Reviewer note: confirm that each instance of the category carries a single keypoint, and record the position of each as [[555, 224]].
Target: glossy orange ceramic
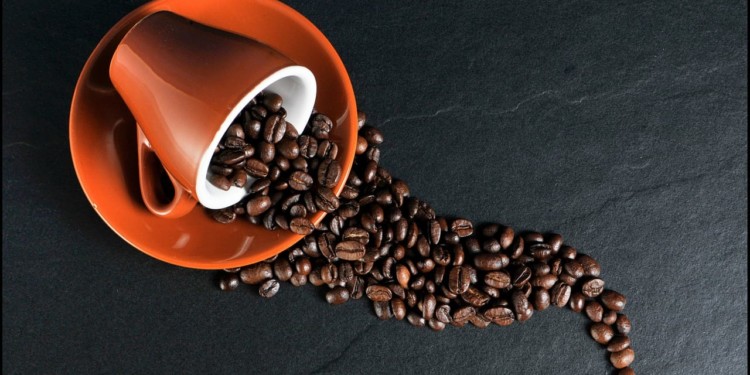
[[185, 83], [103, 135]]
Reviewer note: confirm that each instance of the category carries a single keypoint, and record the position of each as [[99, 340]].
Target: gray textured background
[[621, 125]]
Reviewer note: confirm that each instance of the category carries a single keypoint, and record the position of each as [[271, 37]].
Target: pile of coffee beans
[[379, 242], [293, 174]]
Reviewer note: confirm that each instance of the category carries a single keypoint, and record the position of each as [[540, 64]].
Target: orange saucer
[[103, 135]]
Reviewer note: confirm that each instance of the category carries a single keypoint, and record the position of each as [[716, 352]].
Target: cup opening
[[296, 85]]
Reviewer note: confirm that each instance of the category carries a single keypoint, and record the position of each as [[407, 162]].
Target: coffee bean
[[540, 299], [301, 225], [590, 266], [594, 311], [220, 181], [573, 268], [274, 128], [378, 293], [256, 168], [224, 216], [300, 181], [329, 173], [282, 269], [229, 282], [459, 279], [235, 142], [520, 305], [623, 324], [462, 227], [256, 273], [532, 237], [577, 301], [555, 241], [428, 306], [491, 262], [601, 333], [252, 128], [398, 307], [415, 320], [372, 135], [462, 314], [479, 321], [308, 146], [326, 245], [475, 297], [443, 314], [540, 251], [501, 316], [567, 252], [618, 343], [491, 246], [505, 237], [613, 300], [498, 279], [269, 288], [520, 276], [516, 248], [436, 325], [326, 200], [361, 146], [544, 281], [560, 294], [327, 150], [337, 295], [272, 102], [609, 317], [303, 266], [350, 250], [258, 205], [593, 288], [622, 358], [321, 126]]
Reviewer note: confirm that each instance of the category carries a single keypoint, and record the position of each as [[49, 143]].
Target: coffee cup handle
[[155, 194]]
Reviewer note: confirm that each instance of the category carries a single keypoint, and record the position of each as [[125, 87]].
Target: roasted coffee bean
[[252, 128], [327, 150], [540, 299], [540, 251], [256, 273], [297, 210], [601, 333], [256, 168], [573, 268], [326, 245], [532, 237], [274, 128], [303, 266], [301, 225], [459, 279], [520, 304], [462, 227], [288, 148], [544, 281], [329, 273], [356, 234], [491, 246], [590, 266], [443, 314], [479, 321], [372, 135], [220, 181], [593, 288], [329, 173], [555, 241], [258, 205], [520, 276], [220, 170], [462, 314], [458, 255], [417, 282], [491, 262], [230, 156], [326, 200], [613, 300], [300, 181], [567, 252], [505, 237], [560, 294], [436, 325], [258, 112], [415, 320], [623, 324], [398, 308], [428, 306], [337, 295], [567, 279], [577, 301], [239, 178], [378, 293], [609, 317], [618, 343], [272, 102], [497, 279], [356, 287], [282, 269], [269, 288], [321, 126], [260, 185], [594, 311], [622, 359], [361, 146], [266, 152], [501, 316], [475, 297], [224, 216], [350, 250], [308, 146], [229, 282]]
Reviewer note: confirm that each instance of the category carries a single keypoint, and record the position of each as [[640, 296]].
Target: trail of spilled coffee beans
[[380, 242]]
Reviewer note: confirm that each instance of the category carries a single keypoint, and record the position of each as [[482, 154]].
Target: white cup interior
[[296, 85]]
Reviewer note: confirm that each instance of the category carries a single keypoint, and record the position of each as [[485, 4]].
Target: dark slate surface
[[621, 125]]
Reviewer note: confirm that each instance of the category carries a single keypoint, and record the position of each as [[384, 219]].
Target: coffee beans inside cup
[[381, 243]]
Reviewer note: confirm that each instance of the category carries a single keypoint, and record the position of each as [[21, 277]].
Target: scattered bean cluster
[[380, 242]]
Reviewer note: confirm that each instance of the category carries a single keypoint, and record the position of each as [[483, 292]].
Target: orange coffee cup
[[185, 83]]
